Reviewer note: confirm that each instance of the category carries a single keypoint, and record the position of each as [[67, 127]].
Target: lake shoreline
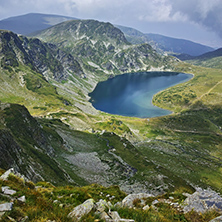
[[131, 94]]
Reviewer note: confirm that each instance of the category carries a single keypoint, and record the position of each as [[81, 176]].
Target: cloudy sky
[[196, 20]]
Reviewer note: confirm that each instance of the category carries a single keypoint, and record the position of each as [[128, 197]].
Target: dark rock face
[[10, 151], [26, 146], [44, 58]]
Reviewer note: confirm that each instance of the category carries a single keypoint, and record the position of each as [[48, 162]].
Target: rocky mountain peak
[[102, 48]]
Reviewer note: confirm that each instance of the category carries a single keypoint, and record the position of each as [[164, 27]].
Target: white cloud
[[161, 11]]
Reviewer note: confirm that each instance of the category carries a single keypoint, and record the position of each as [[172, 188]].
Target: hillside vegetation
[[45, 202], [69, 142], [102, 48], [211, 59]]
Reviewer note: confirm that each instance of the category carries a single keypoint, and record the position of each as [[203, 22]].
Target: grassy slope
[[185, 145], [23, 86], [190, 140], [204, 88], [45, 202], [188, 143]]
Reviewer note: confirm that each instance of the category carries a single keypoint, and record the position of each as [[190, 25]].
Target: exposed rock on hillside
[[82, 209], [44, 58], [129, 200], [202, 201], [102, 48], [95, 203], [27, 147]]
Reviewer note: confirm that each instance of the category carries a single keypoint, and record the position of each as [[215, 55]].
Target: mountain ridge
[[43, 58], [211, 59], [164, 43], [31, 22], [105, 50]]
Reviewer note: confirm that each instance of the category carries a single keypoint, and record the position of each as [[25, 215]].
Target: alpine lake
[[131, 94]]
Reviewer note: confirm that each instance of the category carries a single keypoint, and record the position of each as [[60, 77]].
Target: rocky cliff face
[[27, 146], [44, 58], [100, 47]]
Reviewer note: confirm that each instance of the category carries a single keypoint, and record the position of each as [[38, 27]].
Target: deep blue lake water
[[131, 94]]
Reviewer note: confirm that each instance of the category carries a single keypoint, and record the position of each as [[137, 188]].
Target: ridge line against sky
[[195, 20]]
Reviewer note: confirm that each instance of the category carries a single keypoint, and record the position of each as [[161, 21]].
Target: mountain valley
[[49, 131]]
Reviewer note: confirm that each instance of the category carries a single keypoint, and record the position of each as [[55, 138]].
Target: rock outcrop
[[44, 58], [202, 201], [142, 203], [8, 193], [81, 210], [100, 208], [104, 50], [129, 200]]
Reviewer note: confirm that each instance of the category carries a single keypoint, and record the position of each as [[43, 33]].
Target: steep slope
[[102, 48], [164, 43], [32, 22], [43, 58], [28, 69], [48, 149], [27, 146]]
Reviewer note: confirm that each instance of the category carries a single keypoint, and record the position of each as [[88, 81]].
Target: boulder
[[155, 202], [3, 188], [101, 205], [147, 207], [5, 175], [129, 200], [125, 220], [12, 171], [104, 216], [22, 199], [114, 215], [203, 200], [6, 207], [8, 191], [81, 210]]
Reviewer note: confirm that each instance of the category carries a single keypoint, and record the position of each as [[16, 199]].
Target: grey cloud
[[207, 13], [146, 15]]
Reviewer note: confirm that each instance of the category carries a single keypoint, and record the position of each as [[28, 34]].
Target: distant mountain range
[[164, 43], [210, 55], [32, 22], [211, 59], [29, 23], [101, 47]]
